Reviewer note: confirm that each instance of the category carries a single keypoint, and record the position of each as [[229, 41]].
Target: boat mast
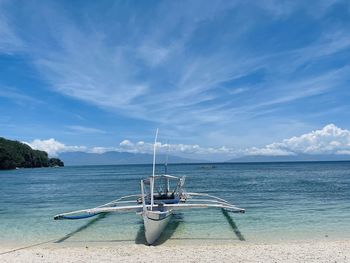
[[154, 169], [166, 159], [154, 153], [166, 183]]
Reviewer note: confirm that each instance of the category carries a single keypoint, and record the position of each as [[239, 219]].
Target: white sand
[[318, 251]]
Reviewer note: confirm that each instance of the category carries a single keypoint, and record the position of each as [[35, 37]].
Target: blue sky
[[230, 75]]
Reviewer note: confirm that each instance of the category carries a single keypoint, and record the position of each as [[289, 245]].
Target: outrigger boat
[[160, 196]]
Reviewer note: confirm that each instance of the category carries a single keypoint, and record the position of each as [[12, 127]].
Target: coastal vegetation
[[14, 154]]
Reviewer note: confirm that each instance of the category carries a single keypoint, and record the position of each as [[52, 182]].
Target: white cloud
[[268, 150], [141, 143], [329, 140], [53, 147], [100, 149], [144, 147], [126, 144]]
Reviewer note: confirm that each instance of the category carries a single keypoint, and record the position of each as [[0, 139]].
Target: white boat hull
[[155, 222]]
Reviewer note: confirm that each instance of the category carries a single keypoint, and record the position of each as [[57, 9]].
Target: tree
[[16, 154]]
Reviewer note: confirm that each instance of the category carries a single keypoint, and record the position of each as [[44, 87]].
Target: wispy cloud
[[17, 96], [193, 73], [82, 129], [9, 41]]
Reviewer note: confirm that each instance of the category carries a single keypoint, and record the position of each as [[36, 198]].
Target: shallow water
[[283, 201]]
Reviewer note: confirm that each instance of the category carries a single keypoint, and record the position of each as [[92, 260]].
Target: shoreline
[[12, 244], [311, 251]]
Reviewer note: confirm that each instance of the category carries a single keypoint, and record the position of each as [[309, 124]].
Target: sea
[[283, 202]]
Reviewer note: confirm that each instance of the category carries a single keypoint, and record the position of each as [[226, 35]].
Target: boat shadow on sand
[[82, 228], [175, 222], [140, 236], [233, 225]]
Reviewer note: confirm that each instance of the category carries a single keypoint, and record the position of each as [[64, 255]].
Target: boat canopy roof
[[166, 176]]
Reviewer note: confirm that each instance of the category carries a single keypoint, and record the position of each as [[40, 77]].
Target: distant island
[[14, 154], [291, 158]]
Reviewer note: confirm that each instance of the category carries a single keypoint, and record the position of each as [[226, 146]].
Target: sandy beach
[[318, 251]]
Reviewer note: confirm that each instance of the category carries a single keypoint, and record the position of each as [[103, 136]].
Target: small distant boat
[[208, 167], [160, 196]]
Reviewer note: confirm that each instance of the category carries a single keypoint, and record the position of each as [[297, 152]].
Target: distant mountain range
[[291, 158], [109, 158]]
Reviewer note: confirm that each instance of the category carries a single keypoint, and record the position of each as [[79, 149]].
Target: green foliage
[[16, 154], [55, 162]]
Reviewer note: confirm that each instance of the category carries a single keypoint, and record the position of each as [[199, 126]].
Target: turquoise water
[[283, 201]]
